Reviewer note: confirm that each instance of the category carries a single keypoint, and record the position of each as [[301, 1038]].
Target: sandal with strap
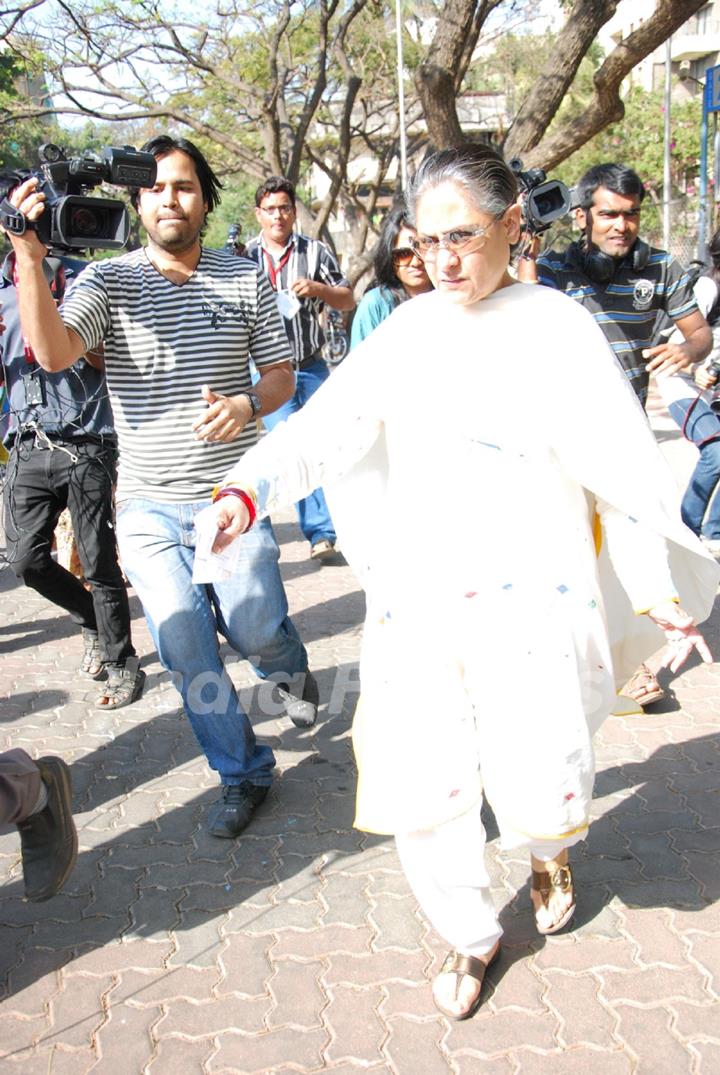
[[92, 665], [545, 883], [643, 687], [474, 967], [124, 686]]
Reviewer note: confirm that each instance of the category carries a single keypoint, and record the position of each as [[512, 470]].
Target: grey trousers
[[19, 786]]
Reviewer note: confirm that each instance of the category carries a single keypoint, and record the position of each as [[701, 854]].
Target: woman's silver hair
[[478, 169]]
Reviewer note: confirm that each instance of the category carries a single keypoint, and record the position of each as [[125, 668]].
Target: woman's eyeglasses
[[459, 241], [402, 256]]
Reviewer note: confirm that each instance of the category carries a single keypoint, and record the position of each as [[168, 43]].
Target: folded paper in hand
[[212, 566]]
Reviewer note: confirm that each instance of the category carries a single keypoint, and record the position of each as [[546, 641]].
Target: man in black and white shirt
[[178, 323], [305, 277]]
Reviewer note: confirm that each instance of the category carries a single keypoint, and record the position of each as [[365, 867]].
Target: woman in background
[[399, 275]]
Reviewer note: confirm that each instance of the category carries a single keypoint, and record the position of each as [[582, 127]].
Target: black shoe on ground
[[234, 809], [302, 709], [48, 839]]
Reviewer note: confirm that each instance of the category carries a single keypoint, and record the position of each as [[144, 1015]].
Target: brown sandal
[[558, 880], [473, 967]]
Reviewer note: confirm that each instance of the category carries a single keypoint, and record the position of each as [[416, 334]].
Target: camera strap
[[12, 219]]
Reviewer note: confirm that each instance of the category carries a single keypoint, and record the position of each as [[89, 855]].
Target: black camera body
[[544, 201], [72, 220]]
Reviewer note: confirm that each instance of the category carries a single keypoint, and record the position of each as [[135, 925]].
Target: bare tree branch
[[577, 35], [606, 105]]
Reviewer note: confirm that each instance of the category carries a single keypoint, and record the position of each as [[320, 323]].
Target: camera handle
[[12, 219]]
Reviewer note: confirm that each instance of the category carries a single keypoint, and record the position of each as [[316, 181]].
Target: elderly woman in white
[[501, 498]]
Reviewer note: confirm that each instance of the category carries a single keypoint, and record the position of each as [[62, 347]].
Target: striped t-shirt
[[626, 308], [162, 343]]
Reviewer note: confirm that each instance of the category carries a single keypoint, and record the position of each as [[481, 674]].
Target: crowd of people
[[195, 345]]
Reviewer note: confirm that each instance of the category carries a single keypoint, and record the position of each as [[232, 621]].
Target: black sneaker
[[232, 812], [301, 709], [48, 839]]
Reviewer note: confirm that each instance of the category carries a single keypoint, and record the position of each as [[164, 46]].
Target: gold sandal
[[544, 883]]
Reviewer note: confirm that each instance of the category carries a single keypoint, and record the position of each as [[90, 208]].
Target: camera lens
[[85, 221], [548, 202]]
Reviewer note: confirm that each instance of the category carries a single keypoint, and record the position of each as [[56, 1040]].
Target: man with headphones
[[622, 281]]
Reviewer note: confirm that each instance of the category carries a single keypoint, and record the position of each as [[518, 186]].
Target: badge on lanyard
[[287, 303]]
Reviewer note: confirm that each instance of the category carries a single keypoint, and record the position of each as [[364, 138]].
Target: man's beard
[[177, 245]]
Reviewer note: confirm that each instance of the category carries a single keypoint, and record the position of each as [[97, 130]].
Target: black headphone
[[601, 267]]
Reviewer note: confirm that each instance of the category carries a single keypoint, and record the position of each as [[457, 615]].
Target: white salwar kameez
[[464, 452]]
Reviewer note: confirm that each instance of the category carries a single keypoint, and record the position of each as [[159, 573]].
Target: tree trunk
[[436, 79]]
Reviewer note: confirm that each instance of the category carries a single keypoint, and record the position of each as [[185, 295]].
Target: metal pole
[[716, 175], [666, 146], [401, 96], [702, 208]]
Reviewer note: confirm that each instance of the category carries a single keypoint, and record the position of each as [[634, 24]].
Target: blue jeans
[[313, 513], [700, 511], [157, 545]]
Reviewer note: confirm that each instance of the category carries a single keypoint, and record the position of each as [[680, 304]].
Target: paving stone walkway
[[298, 948]]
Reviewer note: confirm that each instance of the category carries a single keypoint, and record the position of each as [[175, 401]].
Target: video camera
[[71, 220], [544, 200], [234, 243]]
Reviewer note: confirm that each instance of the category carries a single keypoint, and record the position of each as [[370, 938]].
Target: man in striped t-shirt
[[622, 281], [178, 324], [305, 277]]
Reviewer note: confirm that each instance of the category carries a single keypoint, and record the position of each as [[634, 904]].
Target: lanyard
[[57, 287], [274, 270]]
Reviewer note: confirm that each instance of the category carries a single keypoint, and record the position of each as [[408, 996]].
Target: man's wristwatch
[[255, 402]]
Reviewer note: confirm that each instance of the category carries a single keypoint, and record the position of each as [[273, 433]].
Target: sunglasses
[[402, 256]]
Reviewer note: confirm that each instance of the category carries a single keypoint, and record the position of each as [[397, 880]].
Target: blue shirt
[[374, 307], [76, 403]]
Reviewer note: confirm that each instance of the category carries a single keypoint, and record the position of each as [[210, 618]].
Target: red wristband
[[232, 490]]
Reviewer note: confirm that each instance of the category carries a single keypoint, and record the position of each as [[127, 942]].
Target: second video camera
[[71, 220], [545, 200]]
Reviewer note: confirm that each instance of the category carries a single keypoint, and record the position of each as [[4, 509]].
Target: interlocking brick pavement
[[298, 948]]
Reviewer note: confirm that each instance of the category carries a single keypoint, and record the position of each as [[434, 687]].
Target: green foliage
[[638, 140], [512, 67], [237, 207], [10, 70]]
